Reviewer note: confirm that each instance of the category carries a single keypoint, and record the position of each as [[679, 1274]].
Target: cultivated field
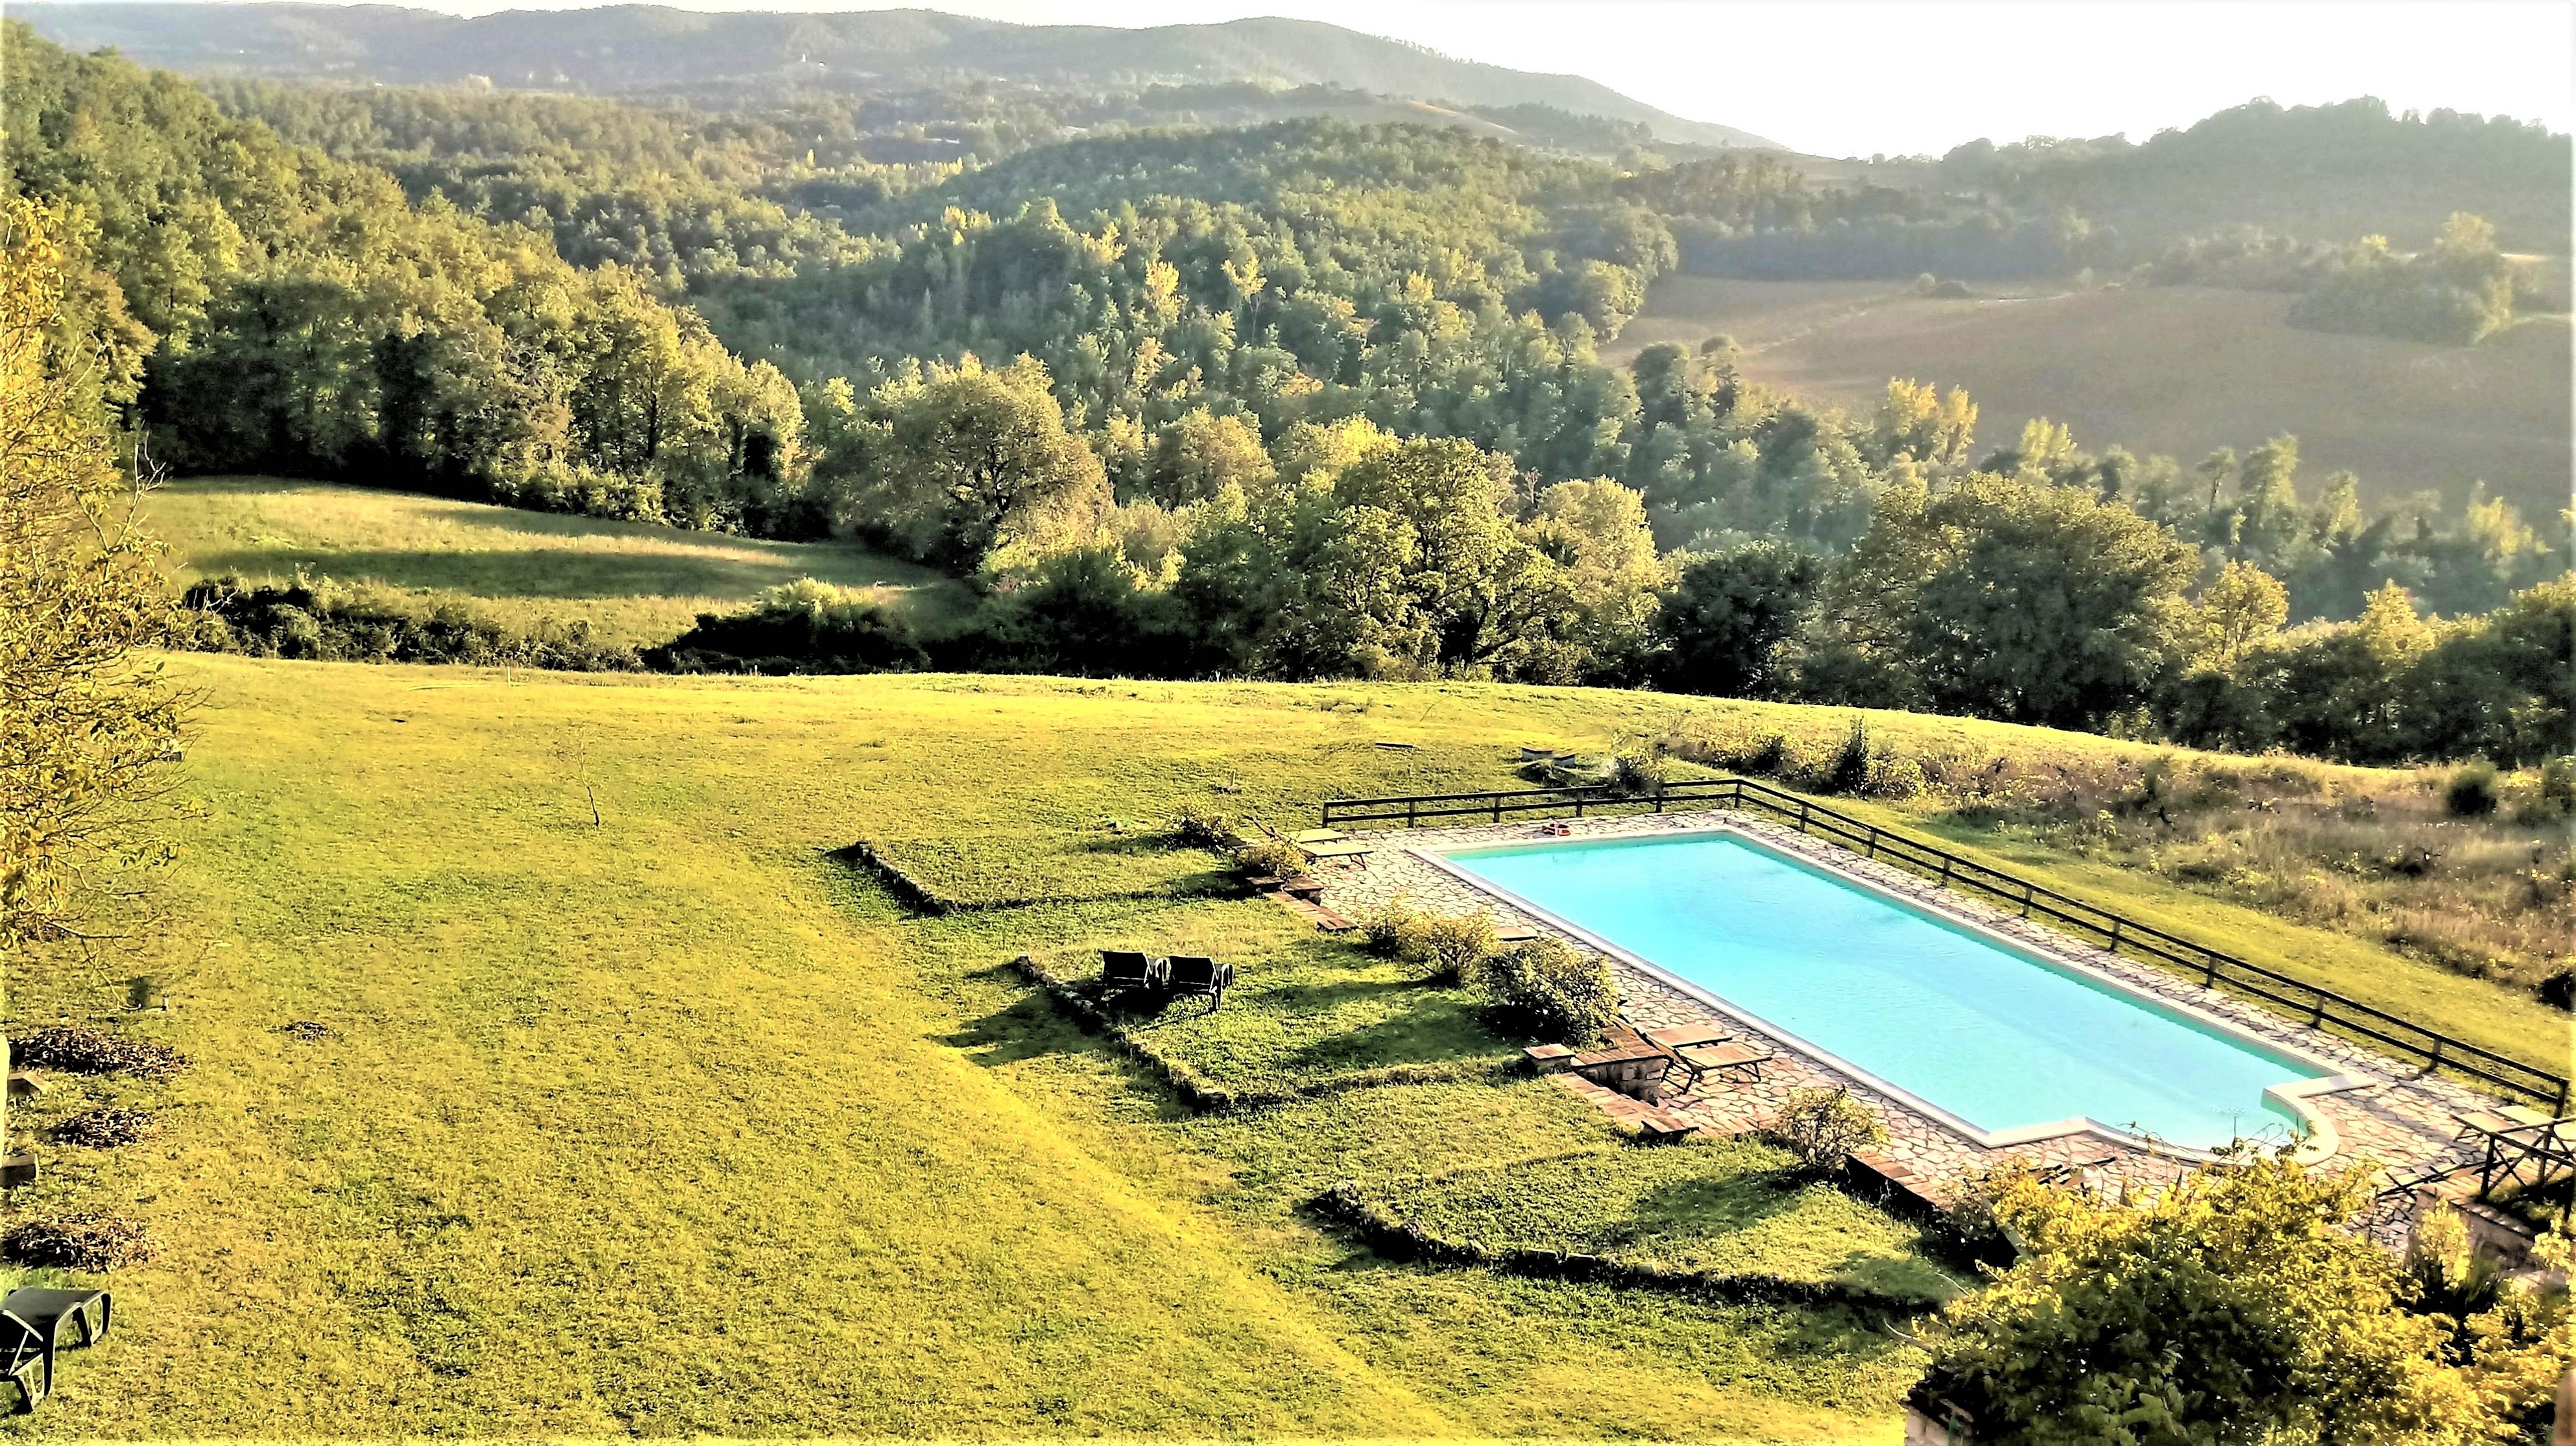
[[2179, 370], [633, 583], [667, 1121]]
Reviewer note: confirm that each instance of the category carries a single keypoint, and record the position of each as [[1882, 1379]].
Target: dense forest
[[1305, 399]]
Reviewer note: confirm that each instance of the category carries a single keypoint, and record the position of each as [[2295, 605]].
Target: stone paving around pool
[[2398, 1120]]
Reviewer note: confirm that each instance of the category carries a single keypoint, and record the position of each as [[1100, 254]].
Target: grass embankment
[[2179, 370], [671, 1123], [633, 583]]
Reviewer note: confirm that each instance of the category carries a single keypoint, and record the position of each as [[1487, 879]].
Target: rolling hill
[[2178, 370], [647, 49]]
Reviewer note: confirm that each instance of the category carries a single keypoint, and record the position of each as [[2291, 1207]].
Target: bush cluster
[[318, 619], [1196, 826], [1546, 989], [1824, 1128], [1437, 948]]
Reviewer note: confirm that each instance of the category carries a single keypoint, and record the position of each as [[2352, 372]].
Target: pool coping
[[2321, 1141]]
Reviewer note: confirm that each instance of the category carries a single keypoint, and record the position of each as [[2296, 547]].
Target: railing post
[[2026, 897], [1802, 815], [2115, 933], [1873, 841], [1408, 813], [1497, 801], [1946, 861]]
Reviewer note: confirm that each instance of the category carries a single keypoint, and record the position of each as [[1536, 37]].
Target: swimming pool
[[1999, 1040]]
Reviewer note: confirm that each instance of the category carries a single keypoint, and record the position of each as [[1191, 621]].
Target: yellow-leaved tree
[[87, 724]]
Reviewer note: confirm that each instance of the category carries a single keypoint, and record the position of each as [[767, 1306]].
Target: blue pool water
[[1992, 1035]]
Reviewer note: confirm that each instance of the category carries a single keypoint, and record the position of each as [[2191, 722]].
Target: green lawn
[[674, 1123], [633, 583]]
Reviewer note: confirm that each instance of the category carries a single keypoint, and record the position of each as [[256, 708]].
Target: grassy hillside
[[633, 583], [667, 1122], [2163, 369]]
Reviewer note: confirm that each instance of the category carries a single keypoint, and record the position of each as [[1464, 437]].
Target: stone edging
[[919, 897], [1396, 1238]]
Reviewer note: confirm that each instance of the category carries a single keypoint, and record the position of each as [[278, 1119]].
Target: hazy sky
[[1856, 78]]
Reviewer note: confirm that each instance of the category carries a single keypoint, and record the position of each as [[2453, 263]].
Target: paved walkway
[[2398, 1121]]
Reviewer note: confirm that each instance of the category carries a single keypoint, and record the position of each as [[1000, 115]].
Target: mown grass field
[[669, 1123], [2179, 370], [632, 583]]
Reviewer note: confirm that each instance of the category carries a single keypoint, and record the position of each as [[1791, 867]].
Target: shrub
[[76, 1050], [1439, 948], [1635, 773], [1275, 857], [2557, 797], [2558, 991], [2237, 1307], [2473, 791], [1824, 1128], [1547, 990], [800, 627], [1894, 775], [1849, 771], [338, 622], [1968, 1226], [1203, 828], [107, 1127], [85, 1240]]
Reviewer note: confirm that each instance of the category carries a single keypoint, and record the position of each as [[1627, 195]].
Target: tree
[[87, 731], [958, 460], [2231, 1308], [1722, 626], [1596, 533], [2241, 607], [2018, 599], [85, 727], [1201, 454]]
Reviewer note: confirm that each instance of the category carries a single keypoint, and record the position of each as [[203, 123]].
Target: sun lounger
[[1123, 969], [1198, 976], [1318, 835], [1730, 1060], [1686, 1036], [33, 1325]]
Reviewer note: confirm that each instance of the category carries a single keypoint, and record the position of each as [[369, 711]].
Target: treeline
[[2029, 585], [1311, 400], [2458, 292], [681, 197], [2347, 169], [261, 307]]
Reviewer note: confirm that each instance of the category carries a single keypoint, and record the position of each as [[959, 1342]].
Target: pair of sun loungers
[[37, 1322], [1182, 976], [1698, 1051]]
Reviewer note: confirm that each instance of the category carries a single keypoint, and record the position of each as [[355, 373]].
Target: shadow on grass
[[1679, 1210], [1439, 1029]]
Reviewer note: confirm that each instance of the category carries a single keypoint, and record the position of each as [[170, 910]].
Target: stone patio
[[2398, 1120]]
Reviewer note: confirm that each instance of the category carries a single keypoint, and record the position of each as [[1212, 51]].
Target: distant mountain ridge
[[646, 49]]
